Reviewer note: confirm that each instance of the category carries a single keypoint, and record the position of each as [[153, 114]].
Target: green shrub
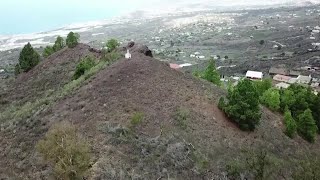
[[28, 58], [261, 42], [221, 104], [136, 119], [72, 40], [65, 151], [85, 64], [48, 50], [112, 44], [111, 56]]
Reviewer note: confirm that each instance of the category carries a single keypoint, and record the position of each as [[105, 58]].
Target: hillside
[[182, 133]]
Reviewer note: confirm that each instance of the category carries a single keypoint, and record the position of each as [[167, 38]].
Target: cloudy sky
[[26, 16]]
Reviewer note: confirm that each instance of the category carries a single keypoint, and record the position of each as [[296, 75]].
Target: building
[[282, 71], [293, 81], [304, 79], [254, 75], [294, 73], [282, 85], [281, 78], [128, 55]]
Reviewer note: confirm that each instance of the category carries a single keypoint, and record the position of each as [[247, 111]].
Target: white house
[[254, 75], [128, 55], [304, 79]]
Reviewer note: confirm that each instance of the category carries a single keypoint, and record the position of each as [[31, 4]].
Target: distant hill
[[182, 134]]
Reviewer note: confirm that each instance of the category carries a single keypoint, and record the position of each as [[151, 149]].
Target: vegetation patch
[[85, 65], [66, 151], [181, 117]]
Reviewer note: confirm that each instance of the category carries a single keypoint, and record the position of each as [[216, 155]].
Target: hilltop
[[182, 133]]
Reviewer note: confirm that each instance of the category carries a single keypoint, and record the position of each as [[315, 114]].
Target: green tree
[[271, 98], [307, 127], [211, 74], [59, 44], [47, 51], [28, 58], [65, 151], [290, 123], [72, 40], [243, 105], [315, 107], [263, 86], [112, 44], [286, 99], [261, 42]]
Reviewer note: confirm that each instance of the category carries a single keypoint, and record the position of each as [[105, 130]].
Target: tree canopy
[[211, 74], [243, 105], [271, 98], [28, 58], [307, 127], [112, 44], [48, 50], [59, 44], [72, 39]]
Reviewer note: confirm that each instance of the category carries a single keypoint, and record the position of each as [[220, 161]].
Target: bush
[[136, 118], [261, 42], [221, 104], [226, 57], [85, 64], [181, 116], [290, 123], [28, 58], [111, 57], [243, 105], [65, 151], [307, 127], [112, 44], [271, 98], [47, 51], [72, 40]]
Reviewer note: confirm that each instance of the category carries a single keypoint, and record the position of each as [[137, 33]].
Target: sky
[[30, 16], [19, 16]]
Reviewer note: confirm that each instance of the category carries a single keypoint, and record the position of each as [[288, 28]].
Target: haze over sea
[[21, 17]]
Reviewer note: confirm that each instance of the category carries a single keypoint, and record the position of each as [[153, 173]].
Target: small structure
[[174, 66], [275, 71], [128, 55], [282, 85], [281, 78], [254, 75], [303, 79]]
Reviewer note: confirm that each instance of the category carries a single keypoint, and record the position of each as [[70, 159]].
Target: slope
[[182, 132]]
